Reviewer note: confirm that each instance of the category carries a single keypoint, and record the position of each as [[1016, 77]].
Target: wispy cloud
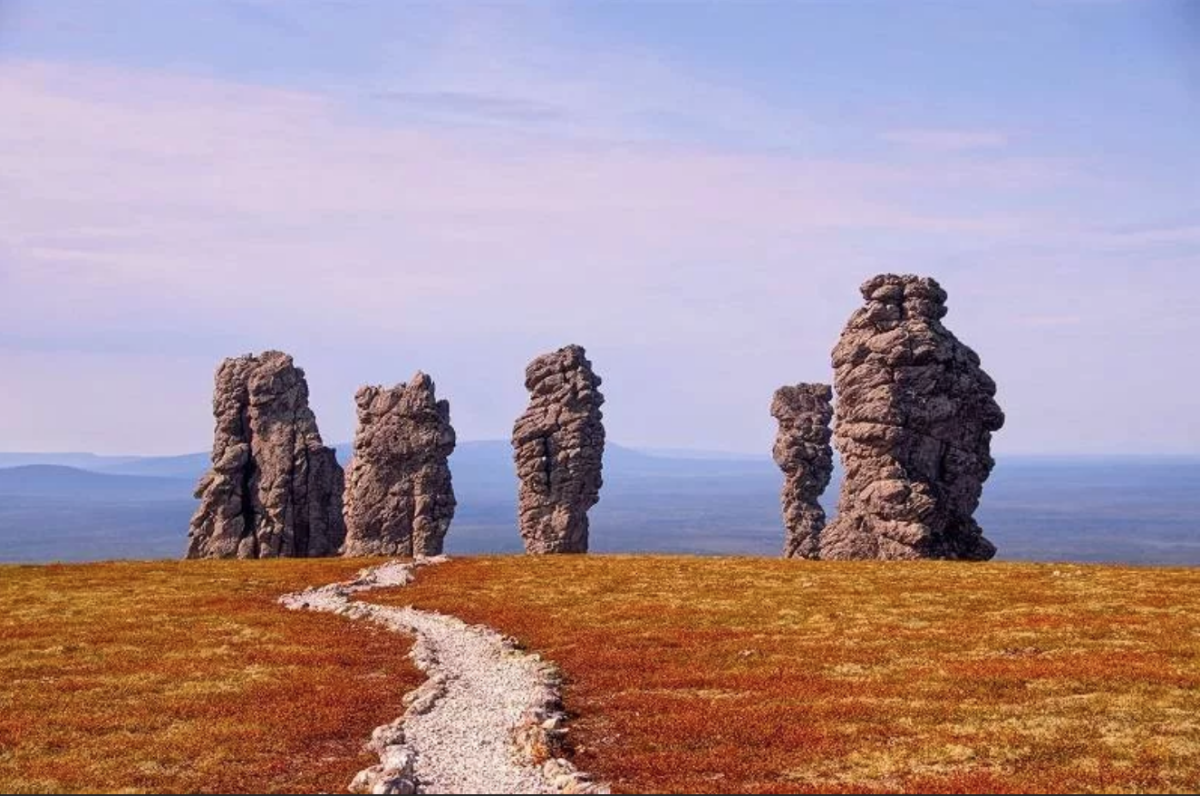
[[1152, 234], [488, 63], [237, 217], [948, 140], [1050, 321], [266, 14], [466, 105], [463, 208], [192, 179]]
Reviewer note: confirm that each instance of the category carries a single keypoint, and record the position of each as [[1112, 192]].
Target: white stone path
[[459, 734]]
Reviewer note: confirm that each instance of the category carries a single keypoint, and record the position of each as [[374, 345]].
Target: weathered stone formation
[[915, 417], [399, 498], [802, 451], [274, 488], [559, 445]]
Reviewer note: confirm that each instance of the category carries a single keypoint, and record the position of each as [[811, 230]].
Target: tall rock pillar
[[274, 489], [558, 447], [915, 417]]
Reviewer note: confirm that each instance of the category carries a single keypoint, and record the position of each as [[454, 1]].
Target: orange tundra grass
[[187, 677], [728, 675]]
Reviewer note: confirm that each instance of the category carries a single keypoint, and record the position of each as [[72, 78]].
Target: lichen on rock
[[802, 451], [558, 447], [914, 421], [274, 489], [399, 494]]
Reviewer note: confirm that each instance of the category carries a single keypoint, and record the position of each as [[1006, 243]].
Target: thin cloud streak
[[518, 202], [948, 140]]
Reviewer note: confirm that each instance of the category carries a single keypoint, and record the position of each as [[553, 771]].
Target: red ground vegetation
[[187, 677], [731, 675]]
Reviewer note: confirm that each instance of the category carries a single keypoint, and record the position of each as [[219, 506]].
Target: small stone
[[387, 735], [364, 781], [395, 785], [397, 760]]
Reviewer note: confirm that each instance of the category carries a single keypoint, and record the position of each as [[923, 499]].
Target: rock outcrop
[[915, 416], [803, 452], [399, 497], [559, 447], [274, 488]]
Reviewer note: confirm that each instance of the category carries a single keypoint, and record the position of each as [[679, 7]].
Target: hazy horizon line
[[653, 450]]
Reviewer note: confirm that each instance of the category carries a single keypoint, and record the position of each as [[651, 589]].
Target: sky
[[691, 190]]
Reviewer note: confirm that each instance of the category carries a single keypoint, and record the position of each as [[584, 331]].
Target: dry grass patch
[[187, 677], [728, 675]]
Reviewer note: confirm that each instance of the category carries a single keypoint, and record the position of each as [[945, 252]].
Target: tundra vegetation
[[728, 675], [185, 677], [683, 674]]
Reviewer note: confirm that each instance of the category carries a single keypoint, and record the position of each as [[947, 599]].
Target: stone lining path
[[480, 720]]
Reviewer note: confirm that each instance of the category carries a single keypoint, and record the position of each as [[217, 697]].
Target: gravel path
[[471, 726]]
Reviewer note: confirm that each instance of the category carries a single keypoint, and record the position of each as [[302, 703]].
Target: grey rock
[[274, 489], [802, 451], [558, 447], [915, 416], [399, 495]]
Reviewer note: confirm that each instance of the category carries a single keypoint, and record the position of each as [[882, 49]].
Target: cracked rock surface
[[399, 495], [802, 451], [915, 417], [558, 447], [274, 489]]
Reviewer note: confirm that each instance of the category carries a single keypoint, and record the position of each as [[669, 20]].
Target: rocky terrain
[[802, 451], [913, 422], [915, 416], [399, 496], [274, 488], [559, 446]]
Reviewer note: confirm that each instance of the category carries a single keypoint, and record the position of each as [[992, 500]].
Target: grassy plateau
[[683, 674], [187, 677], [769, 676]]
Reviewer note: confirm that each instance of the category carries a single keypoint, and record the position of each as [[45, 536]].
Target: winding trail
[[477, 723]]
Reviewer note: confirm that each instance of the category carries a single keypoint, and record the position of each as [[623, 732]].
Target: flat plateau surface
[[187, 677], [683, 674], [759, 675]]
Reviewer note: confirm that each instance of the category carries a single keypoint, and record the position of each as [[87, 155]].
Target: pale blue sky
[[693, 191]]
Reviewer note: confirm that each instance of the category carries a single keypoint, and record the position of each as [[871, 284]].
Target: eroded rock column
[[274, 488], [559, 447], [802, 451], [915, 416], [399, 496]]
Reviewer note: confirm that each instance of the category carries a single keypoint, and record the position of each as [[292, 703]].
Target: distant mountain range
[[486, 461], [85, 461], [190, 465], [38, 480], [79, 506]]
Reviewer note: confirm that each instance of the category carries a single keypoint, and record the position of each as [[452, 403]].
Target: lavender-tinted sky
[[691, 191]]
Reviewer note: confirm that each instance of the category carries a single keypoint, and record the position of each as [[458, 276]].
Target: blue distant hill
[[489, 460], [86, 461], [56, 480], [1131, 510]]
